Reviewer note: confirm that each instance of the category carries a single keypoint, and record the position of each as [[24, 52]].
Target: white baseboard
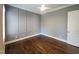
[[36, 35], [73, 44], [20, 39], [54, 37], [66, 41], [33, 36]]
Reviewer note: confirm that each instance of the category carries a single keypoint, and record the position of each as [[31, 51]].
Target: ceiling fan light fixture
[[43, 8]]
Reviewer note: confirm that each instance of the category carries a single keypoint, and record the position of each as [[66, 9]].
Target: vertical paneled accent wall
[[11, 21], [20, 23]]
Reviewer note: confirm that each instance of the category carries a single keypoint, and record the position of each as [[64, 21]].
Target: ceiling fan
[[43, 7]]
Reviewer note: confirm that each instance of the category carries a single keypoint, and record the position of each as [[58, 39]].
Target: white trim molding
[[52, 10], [44, 12], [33, 36], [8, 42], [3, 22], [63, 40], [12, 41]]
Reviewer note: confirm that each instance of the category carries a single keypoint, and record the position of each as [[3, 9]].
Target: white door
[[73, 28]]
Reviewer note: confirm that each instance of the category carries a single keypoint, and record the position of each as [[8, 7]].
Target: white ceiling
[[35, 7]]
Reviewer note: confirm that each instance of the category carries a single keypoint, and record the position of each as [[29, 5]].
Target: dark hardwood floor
[[40, 45]]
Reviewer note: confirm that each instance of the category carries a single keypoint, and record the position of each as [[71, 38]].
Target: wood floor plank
[[40, 45]]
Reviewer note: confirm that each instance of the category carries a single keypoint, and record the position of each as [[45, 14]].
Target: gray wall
[[21, 23], [2, 49], [55, 23]]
